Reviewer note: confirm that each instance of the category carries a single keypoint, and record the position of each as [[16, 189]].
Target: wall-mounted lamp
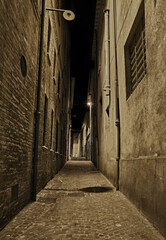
[[67, 14], [89, 103]]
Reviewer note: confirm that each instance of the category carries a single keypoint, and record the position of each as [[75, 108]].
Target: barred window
[[135, 53]]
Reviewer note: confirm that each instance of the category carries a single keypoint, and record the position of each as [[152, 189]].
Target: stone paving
[[79, 203]]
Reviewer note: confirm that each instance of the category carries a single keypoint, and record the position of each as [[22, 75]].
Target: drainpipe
[[69, 145], [107, 54], [37, 112], [117, 121], [68, 122], [95, 103], [90, 126]]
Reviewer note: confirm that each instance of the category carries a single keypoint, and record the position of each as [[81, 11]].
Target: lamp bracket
[[67, 14]]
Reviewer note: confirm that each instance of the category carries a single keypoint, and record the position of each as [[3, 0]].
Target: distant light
[[89, 103]]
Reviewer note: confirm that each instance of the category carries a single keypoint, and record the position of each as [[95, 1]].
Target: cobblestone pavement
[[79, 203]]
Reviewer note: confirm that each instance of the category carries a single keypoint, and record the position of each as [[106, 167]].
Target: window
[[35, 3], [59, 49], [54, 67], [23, 66], [58, 89], [51, 135], [58, 7], [49, 39], [56, 144], [14, 193], [62, 139], [62, 103], [45, 120], [135, 53], [35, 7]]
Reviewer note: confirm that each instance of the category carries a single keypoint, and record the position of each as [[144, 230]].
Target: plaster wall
[[142, 115], [105, 122], [142, 171]]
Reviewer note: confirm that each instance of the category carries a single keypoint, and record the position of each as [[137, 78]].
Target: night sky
[[81, 39]]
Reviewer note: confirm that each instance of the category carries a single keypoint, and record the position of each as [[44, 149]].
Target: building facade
[[80, 145], [128, 92], [35, 76]]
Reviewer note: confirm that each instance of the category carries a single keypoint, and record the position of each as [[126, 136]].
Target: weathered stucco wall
[[142, 114], [104, 124], [142, 171]]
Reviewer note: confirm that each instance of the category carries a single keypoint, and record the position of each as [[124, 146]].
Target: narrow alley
[[83, 119], [80, 203]]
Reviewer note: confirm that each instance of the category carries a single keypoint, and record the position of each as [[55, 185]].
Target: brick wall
[[17, 98], [54, 85], [19, 39]]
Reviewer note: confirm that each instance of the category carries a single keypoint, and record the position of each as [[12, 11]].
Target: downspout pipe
[[37, 111], [107, 53], [90, 126], [117, 115], [95, 105]]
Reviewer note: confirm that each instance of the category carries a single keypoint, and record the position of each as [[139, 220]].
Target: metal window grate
[[138, 57], [135, 52]]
